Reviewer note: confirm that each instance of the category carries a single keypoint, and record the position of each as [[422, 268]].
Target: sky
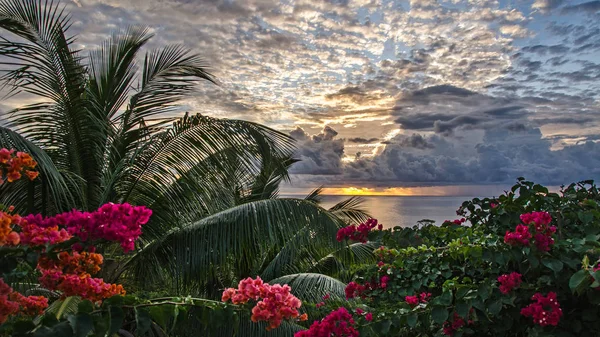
[[393, 97]]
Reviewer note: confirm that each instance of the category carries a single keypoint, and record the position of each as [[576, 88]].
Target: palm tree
[[101, 132]]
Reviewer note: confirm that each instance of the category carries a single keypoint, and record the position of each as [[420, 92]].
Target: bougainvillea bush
[[49, 284], [523, 264]]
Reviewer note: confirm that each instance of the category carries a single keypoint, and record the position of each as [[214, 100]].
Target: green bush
[[459, 265]]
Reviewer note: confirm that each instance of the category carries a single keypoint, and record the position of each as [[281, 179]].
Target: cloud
[[591, 7], [546, 5], [444, 108], [320, 154], [417, 82], [543, 50], [359, 140], [498, 156]]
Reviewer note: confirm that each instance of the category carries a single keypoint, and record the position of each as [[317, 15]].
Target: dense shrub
[[526, 266]]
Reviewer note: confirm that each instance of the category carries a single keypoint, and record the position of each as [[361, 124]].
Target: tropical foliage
[[527, 266], [103, 131]]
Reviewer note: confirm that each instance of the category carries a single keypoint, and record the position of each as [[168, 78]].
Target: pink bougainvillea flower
[[545, 311], [508, 282]]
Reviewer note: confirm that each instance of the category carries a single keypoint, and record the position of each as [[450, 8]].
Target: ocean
[[405, 211]]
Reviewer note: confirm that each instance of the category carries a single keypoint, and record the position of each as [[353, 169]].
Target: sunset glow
[[392, 191]]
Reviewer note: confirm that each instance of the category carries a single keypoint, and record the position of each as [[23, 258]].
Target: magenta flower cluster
[[539, 221], [545, 311], [508, 282], [360, 232], [338, 323], [112, 222]]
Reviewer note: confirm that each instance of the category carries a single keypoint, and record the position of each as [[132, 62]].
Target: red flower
[[508, 282], [274, 302], [539, 219], [369, 317], [520, 237], [413, 301], [424, 297], [545, 311], [359, 233], [451, 327], [338, 323]]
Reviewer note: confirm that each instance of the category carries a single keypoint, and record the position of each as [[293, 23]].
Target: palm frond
[[234, 239], [350, 210], [312, 287], [168, 75], [339, 262], [63, 307], [112, 71], [45, 65], [265, 185], [315, 195], [61, 190]]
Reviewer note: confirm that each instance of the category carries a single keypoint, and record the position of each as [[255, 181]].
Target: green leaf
[[484, 291], [411, 319], [446, 298], [495, 306], [82, 324], [585, 217], [580, 280], [22, 327], [439, 315], [461, 292], [462, 308], [142, 320], [116, 317], [383, 327], [553, 264], [533, 260], [86, 307], [62, 329]]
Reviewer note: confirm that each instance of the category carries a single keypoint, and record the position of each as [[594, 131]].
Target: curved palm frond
[[231, 240], [63, 307], [338, 262], [185, 173], [60, 191], [350, 210], [112, 71], [315, 195], [312, 287], [265, 185], [43, 64], [168, 75]]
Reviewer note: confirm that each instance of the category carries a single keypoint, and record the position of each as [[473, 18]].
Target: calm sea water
[[406, 211]]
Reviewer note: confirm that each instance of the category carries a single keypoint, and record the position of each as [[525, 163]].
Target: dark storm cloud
[[359, 140], [565, 120], [499, 157], [421, 121], [530, 65], [415, 140], [445, 108], [320, 154]]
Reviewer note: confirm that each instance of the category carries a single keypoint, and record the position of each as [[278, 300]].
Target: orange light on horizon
[[389, 191]]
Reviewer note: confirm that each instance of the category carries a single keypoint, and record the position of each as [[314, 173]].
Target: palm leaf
[[61, 190], [313, 287], [44, 65], [63, 307], [233, 239], [315, 195], [350, 210]]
